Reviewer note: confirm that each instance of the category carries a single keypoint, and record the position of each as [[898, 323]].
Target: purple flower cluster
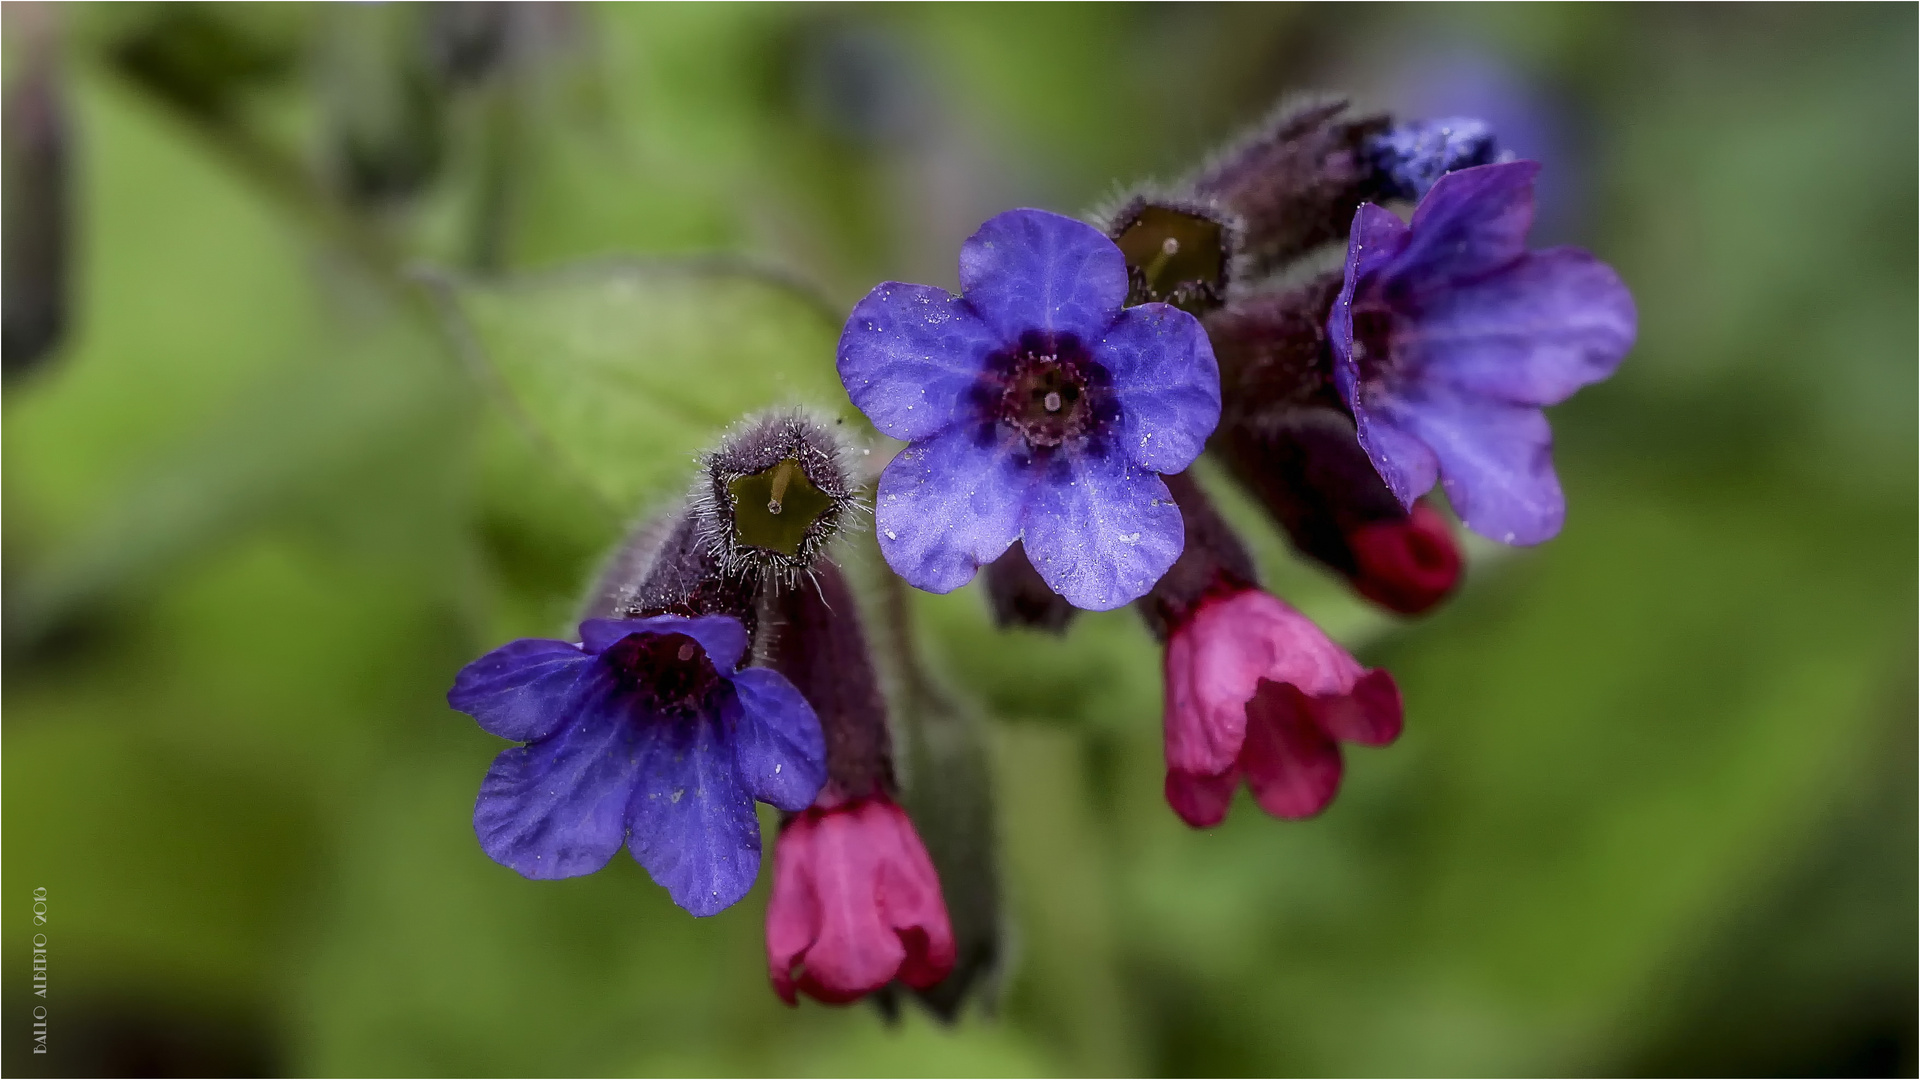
[[1051, 412]]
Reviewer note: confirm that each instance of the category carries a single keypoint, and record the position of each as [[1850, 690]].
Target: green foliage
[[626, 370], [1653, 809]]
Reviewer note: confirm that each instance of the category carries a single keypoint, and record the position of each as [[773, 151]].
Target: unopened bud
[[1410, 158], [1296, 181], [1306, 466]]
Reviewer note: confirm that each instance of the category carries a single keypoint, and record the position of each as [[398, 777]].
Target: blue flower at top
[[1411, 158], [1449, 336], [644, 734], [1036, 409]]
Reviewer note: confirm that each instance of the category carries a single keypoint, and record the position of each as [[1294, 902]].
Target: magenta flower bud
[[856, 900], [856, 904], [1254, 690], [1406, 564]]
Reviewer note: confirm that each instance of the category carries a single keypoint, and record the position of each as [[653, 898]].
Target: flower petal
[[691, 823], [1099, 529], [951, 504], [1375, 238], [1530, 334], [910, 354], [856, 904], [1404, 463], [1034, 270], [1472, 222], [1369, 714], [522, 690], [1495, 461], [777, 745], [1167, 382], [722, 636], [1201, 799], [556, 808], [1292, 766]]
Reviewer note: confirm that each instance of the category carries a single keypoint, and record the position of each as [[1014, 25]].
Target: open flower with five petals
[[643, 734], [1036, 408]]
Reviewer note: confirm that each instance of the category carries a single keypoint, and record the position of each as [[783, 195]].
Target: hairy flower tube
[[856, 901], [643, 734], [1254, 690], [1036, 408], [1449, 336]]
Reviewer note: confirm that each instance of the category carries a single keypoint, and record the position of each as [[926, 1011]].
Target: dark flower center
[[1047, 388], [671, 671]]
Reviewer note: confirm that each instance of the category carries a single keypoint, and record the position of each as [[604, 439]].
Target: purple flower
[[1036, 409], [643, 734], [1449, 336], [1411, 158]]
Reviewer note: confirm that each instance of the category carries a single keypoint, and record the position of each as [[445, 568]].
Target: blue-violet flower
[[1036, 409], [1449, 336], [1411, 158], [644, 734]]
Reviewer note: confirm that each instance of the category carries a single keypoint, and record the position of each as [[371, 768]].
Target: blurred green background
[[373, 343]]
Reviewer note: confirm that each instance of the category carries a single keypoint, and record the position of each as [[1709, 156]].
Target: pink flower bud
[[856, 904], [1255, 689], [1407, 564]]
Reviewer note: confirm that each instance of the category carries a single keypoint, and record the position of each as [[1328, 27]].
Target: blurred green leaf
[[624, 370]]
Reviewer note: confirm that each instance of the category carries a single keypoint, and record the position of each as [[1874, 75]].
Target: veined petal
[[1472, 222], [1405, 464], [691, 823], [910, 354], [1530, 334], [722, 636], [1099, 529], [1495, 462], [1033, 270], [522, 690], [1370, 714], [1167, 382], [777, 744], [556, 808], [951, 504], [1375, 238], [1292, 766]]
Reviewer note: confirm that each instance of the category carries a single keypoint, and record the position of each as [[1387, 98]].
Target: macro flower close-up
[[705, 539], [644, 735], [1035, 409], [1449, 336]]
